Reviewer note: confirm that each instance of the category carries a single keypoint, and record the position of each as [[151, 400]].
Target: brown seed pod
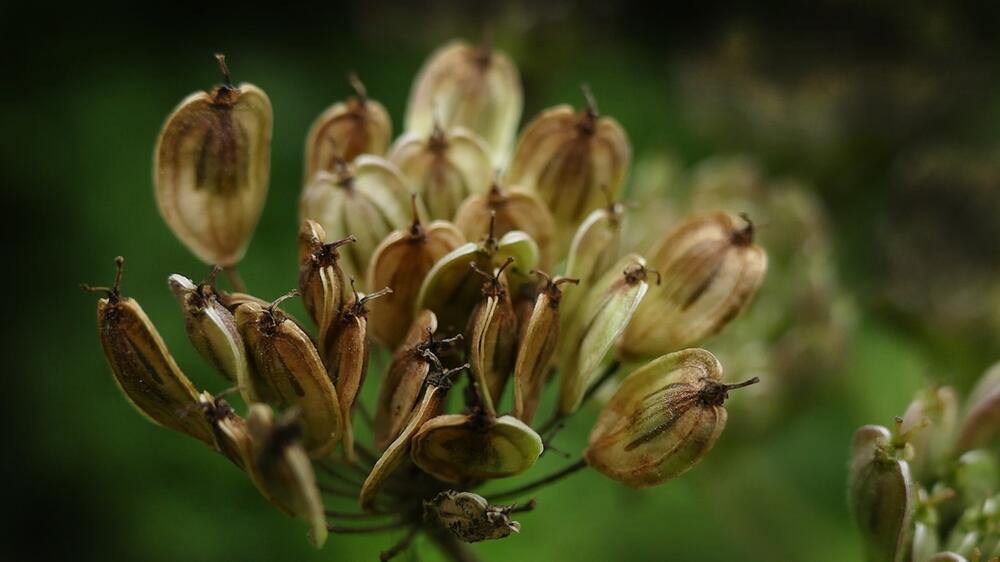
[[711, 269], [471, 86], [492, 338], [402, 261], [211, 326], [211, 168], [347, 358], [662, 421], [537, 346], [347, 129], [321, 280], [514, 209], [286, 370], [444, 168], [144, 369], [469, 517], [596, 247], [569, 158]]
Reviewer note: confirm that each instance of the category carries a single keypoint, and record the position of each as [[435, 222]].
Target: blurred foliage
[[888, 112]]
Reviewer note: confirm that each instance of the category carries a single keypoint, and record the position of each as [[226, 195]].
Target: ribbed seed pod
[[462, 448], [932, 418], [604, 313], [144, 370], [513, 209], [595, 248], [286, 370], [469, 517], [284, 468], [402, 261], [444, 168], [574, 161], [981, 424], [346, 130], [321, 280], [347, 359], [211, 169], [537, 345], [211, 327], [471, 86], [662, 421], [367, 199], [711, 269], [492, 337]]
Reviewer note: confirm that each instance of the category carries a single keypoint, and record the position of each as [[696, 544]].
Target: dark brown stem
[[452, 548], [353, 514], [227, 80], [235, 280], [540, 483], [330, 471], [359, 88], [400, 545]]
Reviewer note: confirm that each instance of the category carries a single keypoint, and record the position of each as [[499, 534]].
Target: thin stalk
[[452, 548], [359, 530], [330, 471], [400, 546], [540, 483], [334, 514], [557, 418], [235, 280]]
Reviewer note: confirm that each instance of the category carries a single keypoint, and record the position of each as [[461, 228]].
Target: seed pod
[[569, 158], [882, 494], [981, 425], [452, 289], [462, 448], [492, 338], [711, 270], [285, 369], [211, 327], [514, 209], [537, 346], [347, 359], [321, 281], [144, 370], [469, 517], [976, 475], [346, 130], [604, 313], [284, 468], [367, 199], [947, 557], [662, 421], [444, 168], [212, 163], [937, 409], [402, 261], [471, 86], [594, 250]]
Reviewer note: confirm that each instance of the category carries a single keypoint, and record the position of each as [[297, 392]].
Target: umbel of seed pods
[[495, 282]]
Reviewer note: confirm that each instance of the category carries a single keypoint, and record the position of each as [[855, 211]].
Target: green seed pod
[[604, 313], [462, 448], [286, 370], [211, 327], [211, 168], [471, 86], [469, 517], [711, 269], [882, 493], [492, 338], [570, 159], [947, 557], [937, 409], [321, 280], [594, 250], [444, 168], [367, 199], [976, 475], [981, 425], [536, 348], [662, 421], [402, 261], [346, 130], [285, 470], [510, 209], [144, 370]]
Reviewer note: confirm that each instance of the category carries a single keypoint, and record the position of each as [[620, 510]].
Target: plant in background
[[929, 491], [424, 250]]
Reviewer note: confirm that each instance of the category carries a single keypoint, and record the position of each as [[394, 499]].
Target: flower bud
[[569, 159], [211, 327], [536, 348], [711, 268], [346, 130], [211, 169], [469, 517], [604, 313], [143, 367], [595, 248], [444, 168], [662, 421], [402, 261], [513, 209], [321, 280], [471, 86], [461, 448], [937, 409], [367, 199], [492, 338], [285, 369], [981, 425]]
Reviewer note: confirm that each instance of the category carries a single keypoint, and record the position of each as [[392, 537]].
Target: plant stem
[[235, 280], [532, 486], [453, 549], [556, 418], [359, 530], [400, 546]]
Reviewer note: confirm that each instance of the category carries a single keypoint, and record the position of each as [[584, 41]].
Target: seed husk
[[492, 338], [347, 129], [510, 209], [469, 517], [595, 248], [981, 423], [322, 282], [211, 169]]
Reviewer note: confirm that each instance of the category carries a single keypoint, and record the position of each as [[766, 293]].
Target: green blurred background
[[889, 111]]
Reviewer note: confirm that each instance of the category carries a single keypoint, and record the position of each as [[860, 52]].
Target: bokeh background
[[865, 133]]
